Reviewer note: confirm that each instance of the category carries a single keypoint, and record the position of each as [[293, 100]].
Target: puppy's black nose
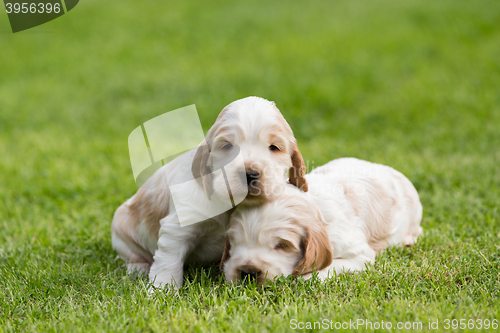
[[248, 275], [252, 175]]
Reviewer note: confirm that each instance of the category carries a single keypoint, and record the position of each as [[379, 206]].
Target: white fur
[[363, 207], [146, 231]]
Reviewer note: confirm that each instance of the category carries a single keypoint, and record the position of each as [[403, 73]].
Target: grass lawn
[[411, 84]]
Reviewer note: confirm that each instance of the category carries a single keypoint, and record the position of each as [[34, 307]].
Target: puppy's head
[[284, 237], [254, 129]]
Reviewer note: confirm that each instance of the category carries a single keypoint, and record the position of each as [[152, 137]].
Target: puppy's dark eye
[[227, 146], [286, 246], [274, 148]]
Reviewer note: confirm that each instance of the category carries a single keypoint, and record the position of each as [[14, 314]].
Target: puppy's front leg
[[174, 243]]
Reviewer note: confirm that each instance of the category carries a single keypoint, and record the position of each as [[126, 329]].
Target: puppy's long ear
[[317, 250], [225, 254], [297, 172], [201, 169]]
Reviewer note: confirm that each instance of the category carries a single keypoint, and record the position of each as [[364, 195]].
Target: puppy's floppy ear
[[201, 169], [225, 254], [297, 172], [317, 250]]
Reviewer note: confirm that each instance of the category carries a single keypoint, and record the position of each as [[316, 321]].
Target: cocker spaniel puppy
[[353, 210], [146, 231]]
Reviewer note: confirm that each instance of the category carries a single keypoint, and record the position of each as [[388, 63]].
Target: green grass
[[411, 84]]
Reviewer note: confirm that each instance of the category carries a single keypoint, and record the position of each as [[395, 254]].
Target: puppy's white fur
[[146, 231], [353, 210]]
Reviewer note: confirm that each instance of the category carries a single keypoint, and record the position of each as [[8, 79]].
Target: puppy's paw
[[162, 286]]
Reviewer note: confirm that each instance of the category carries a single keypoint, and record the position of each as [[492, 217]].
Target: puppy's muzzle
[[252, 176], [249, 274]]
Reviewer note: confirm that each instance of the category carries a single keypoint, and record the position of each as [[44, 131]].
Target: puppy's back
[[382, 197]]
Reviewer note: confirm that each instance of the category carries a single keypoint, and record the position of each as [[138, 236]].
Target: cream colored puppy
[[353, 210], [146, 231]]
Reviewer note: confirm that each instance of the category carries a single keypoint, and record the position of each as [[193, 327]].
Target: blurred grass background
[[411, 84]]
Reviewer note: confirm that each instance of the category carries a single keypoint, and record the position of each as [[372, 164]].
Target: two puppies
[[146, 232], [353, 208]]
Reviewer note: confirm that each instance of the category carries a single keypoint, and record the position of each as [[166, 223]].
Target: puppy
[[146, 231], [353, 210]]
